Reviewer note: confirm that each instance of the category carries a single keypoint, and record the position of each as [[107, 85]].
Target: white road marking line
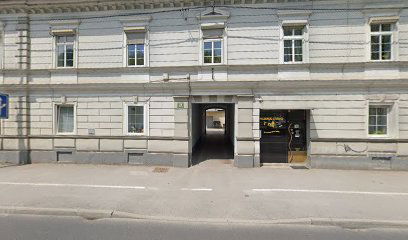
[[197, 189], [329, 191], [71, 185]]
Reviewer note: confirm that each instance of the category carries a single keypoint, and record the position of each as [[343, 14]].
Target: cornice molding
[[49, 6]]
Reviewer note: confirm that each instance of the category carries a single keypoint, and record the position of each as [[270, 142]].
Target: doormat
[[299, 167], [160, 169]]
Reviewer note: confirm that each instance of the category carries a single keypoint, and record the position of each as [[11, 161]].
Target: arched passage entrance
[[212, 132]]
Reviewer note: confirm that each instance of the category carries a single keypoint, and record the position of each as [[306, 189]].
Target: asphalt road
[[22, 227]]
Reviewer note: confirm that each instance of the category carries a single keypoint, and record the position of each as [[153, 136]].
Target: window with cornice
[[135, 45], [381, 41], [65, 50]]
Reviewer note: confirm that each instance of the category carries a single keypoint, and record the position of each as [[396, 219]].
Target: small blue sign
[[4, 106]]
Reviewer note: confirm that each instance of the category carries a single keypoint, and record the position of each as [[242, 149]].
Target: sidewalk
[[210, 191]]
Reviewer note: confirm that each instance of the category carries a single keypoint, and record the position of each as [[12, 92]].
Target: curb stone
[[105, 214]]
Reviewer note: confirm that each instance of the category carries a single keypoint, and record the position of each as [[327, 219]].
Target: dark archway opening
[[212, 132]]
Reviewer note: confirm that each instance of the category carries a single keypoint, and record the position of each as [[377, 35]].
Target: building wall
[[336, 82]]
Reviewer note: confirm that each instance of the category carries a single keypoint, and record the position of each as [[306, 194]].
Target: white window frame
[[380, 34], [293, 38], [392, 120], [55, 113], [126, 53], [212, 40], [144, 55], [126, 118], [75, 49]]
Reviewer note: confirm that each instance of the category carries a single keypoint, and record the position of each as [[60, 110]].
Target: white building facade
[[128, 82]]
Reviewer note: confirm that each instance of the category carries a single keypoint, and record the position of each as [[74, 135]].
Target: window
[[65, 119], [65, 50], [378, 120], [212, 51], [135, 121], [135, 48], [293, 44], [381, 41]]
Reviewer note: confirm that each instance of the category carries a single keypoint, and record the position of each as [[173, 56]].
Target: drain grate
[[299, 167], [160, 169]]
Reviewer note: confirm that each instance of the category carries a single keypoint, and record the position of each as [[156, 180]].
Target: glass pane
[[381, 130], [386, 38], [131, 61], [386, 56], [375, 27], [207, 59], [140, 61], [298, 58], [298, 31], [371, 130], [372, 111], [382, 120], [70, 53], [217, 59], [375, 47], [140, 47], [207, 53], [386, 47], [217, 52], [375, 56], [372, 120], [287, 43], [298, 43], [386, 27], [375, 39], [288, 58], [140, 54], [298, 51], [287, 31], [61, 56], [382, 111], [65, 119], [217, 44], [287, 50], [139, 110], [131, 51], [208, 45], [70, 63]]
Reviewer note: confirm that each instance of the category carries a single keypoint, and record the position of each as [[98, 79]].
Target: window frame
[[126, 119], [126, 50], [56, 114], [74, 48], [381, 33], [388, 112], [212, 40], [293, 39], [392, 118]]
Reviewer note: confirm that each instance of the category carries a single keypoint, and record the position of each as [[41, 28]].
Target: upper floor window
[[213, 45], [65, 50], [381, 41], [293, 43], [135, 44], [213, 51], [378, 120]]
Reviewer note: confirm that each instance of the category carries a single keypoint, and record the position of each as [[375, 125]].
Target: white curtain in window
[[65, 119]]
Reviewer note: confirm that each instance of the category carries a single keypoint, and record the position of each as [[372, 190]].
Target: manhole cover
[[160, 169]]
